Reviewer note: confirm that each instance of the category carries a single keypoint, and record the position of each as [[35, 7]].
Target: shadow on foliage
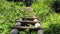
[[56, 6], [26, 2], [1, 30], [53, 29], [15, 0]]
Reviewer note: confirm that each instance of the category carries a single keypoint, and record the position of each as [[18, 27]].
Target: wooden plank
[[29, 21], [29, 18], [25, 27]]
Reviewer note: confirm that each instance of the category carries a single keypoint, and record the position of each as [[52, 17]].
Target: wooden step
[[25, 19], [28, 18], [25, 27], [28, 22]]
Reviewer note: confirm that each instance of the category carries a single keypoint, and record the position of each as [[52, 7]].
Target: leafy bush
[[53, 29], [10, 11]]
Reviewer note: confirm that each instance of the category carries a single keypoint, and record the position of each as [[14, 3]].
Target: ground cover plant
[[11, 11]]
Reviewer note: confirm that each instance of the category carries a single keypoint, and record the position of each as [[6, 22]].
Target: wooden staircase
[[22, 24]]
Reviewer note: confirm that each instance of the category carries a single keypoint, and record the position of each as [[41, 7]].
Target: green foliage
[[53, 29], [10, 11]]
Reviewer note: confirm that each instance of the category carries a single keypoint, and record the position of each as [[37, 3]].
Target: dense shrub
[[56, 6], [53, 29], [10, 11]]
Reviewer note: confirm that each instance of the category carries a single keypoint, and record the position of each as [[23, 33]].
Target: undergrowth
[[10, 11]]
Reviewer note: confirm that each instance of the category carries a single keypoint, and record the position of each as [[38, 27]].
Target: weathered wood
[[25, 27], [28, 22], [29, 18]]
